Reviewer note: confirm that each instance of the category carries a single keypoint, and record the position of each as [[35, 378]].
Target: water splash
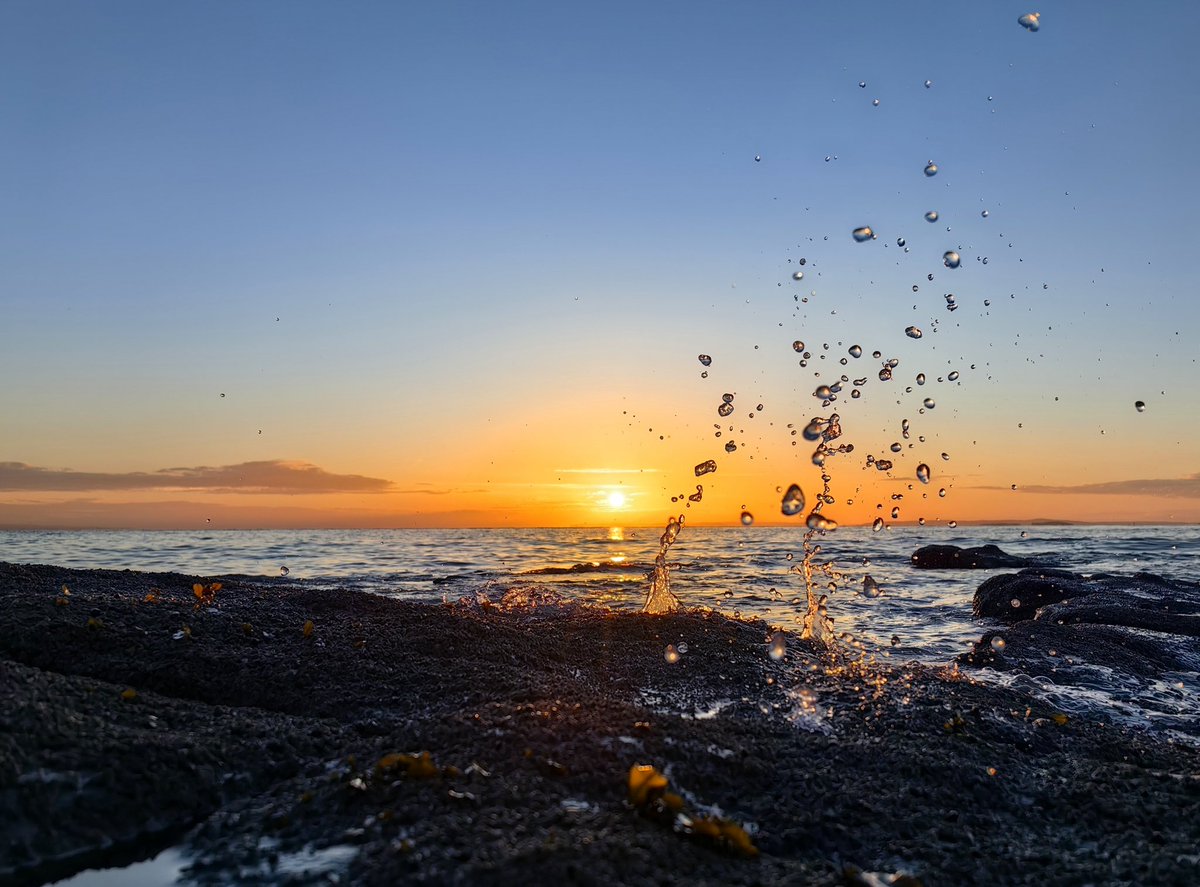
[[659, 597]]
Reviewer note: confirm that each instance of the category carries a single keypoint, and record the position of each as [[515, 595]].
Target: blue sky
[[406, 240]]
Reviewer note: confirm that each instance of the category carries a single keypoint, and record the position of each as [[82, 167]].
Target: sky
[[298, 264]]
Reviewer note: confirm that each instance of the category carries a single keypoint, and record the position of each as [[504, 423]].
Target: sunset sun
[[616, 499]]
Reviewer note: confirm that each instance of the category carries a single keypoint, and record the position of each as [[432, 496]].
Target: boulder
[[951, 557]]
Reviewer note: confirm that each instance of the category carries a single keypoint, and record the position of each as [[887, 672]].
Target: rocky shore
[[274, 733]]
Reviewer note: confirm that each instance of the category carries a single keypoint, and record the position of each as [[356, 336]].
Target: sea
[[878, 601]]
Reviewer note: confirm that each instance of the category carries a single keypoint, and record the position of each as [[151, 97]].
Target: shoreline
[[245, 727]]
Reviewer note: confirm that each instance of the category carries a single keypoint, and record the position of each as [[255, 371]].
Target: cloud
[[274, 476], [1167, 488]]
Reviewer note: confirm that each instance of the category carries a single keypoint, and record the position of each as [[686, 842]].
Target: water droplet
[[913, 332], [998, 644], [1014, 486], [671, 654], [283, 571], [953, 525], [928, 83], [747, 518], [931, 169], [942, 493], [730, 447], [859, 234], [875, 102], [1016, 602], [682, 647], [725, 409], [951, 259], [877, 525], [920, 378], [931, 216], [706, 468], [705, 359], [1140, 406], [900, 241], [798, 346], [1030, 21], [953, 377], [823, 392], [862, 84], [818, 521], [758, 158], [984, 213], [895, 447], [923, 473], [778, 648], [855, 351], [793, 501], [222, 394], [929, 403], [945, 457], [799, 275]]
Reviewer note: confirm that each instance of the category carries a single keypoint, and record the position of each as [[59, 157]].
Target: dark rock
[[533, 723], [952, 557], [1013, 597]]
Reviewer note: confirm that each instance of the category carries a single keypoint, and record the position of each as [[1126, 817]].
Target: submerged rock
[[952, 557]]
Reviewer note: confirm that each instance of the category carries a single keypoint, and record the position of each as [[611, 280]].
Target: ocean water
[[906, 614]]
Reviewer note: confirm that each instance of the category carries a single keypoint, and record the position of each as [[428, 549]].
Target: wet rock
[[952, 557], [532, 718], [1014, 597], [1073, 628]]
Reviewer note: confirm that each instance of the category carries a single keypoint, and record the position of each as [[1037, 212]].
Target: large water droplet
[[951, 259], [706, 468], [929, 403], [923, 473], [862, 234], [818, 521], [931, 169], [998, 644], [877, 524], [928, 83], [1030, 21], [798, 346], [793, 501], [283, 571], [855, 351], [875, 102], [705, 359], [671, 654], [778, 648], [1140, 406], [931, 216], [913, 332], [953, 377], [725, 409], [747, 518], [823, 392], [730, 447]]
